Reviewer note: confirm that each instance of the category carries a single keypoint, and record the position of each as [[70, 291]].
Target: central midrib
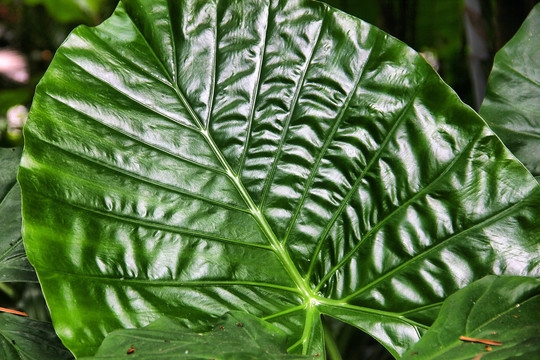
[[278, 248], [261, 220]]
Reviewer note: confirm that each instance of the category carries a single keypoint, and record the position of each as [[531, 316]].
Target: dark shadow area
[[354, 344]]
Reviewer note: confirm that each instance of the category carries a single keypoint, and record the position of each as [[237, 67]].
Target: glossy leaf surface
[[512, 103], [501, 309], [14, 265], [283, 159], [22, 338], [238, 336]]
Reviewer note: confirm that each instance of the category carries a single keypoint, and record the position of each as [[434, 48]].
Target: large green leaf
[[26, 339], [504, 310], [238, 336], [286, 160], [512, 103], [14, 265]]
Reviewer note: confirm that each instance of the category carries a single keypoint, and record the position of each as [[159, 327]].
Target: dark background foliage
[[458, 37]]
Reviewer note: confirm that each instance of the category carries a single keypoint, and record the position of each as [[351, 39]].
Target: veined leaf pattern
[[279, 158]]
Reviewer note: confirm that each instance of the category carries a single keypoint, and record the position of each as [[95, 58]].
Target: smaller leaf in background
[[491, 310], [512, 103], [14, 265], [237, 336], [26, 339]]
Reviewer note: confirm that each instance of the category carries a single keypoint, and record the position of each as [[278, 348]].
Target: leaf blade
[[364, 179], [235, 336], [494, 309], [14, 265], [27, 339], [511, 107]]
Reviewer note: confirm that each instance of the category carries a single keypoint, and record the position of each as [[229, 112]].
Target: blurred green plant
[[69, 11], [30, 32]]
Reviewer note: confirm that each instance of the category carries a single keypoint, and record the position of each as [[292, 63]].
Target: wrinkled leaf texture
[[512, 103], [282, 158], [237, 336], [14, 265], [502, 309]]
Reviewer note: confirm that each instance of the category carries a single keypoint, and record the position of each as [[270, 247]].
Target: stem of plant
[[5, 288], [331, 347]]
